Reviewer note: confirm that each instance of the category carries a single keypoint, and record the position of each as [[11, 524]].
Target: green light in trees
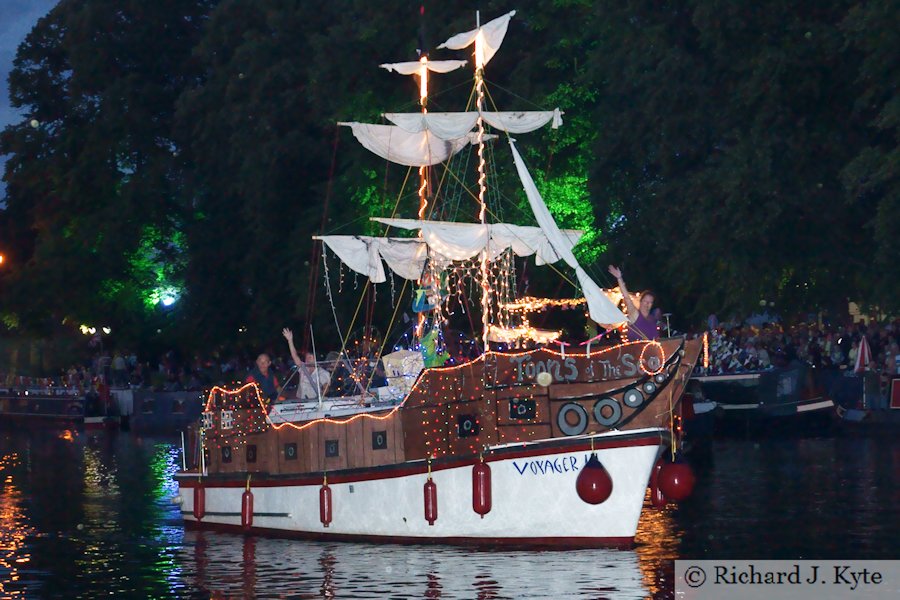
[[370, 200], [165, 296], [155, 265], [566, 196]]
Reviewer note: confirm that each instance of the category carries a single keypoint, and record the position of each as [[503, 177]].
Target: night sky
[[17, 17]]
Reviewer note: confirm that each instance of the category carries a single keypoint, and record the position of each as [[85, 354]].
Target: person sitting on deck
[[640, 325], [265, 379], [314, 379]]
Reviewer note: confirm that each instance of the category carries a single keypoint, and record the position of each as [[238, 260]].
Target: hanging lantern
[[325, 503], [594, 485], [657, 498], [676, 481], [431, 508], [247, 507], [199, 501], [481, 488]]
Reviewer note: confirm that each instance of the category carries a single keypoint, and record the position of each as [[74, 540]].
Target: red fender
[[325, 504], [657, 498], [247, 509], [199, 502], [431, 507], [481, 489]]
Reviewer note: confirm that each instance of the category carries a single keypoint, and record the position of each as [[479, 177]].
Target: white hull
[[533, 490]]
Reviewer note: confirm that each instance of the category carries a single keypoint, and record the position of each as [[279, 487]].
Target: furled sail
[[462, 241], [420, 149], [453, 125], [364, 254], [600, 308], [487, 39], [415, 67], [442, 242]]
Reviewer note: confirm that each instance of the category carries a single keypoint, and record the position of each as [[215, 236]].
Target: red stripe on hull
[[486, 543]]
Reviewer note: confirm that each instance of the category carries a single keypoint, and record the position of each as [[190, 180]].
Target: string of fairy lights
[[445, 386]]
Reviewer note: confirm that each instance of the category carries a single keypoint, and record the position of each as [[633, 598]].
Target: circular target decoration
[[649, 387], [562, 419], [633, 398], [653, 358], [610, 406], [660, 378]]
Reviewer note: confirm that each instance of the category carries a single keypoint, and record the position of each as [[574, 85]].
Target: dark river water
[[90, 516]]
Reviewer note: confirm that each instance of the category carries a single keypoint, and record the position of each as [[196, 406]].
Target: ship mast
[[482, 180], [423, 169]]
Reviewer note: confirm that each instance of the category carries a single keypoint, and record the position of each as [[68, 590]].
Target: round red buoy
[[431, 508], [325, 504], [199, 502], [481, 489], [247, 509], [594, 485], [676, 481], [657, 498]]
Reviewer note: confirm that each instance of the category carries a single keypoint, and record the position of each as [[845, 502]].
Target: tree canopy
[[729, 152]]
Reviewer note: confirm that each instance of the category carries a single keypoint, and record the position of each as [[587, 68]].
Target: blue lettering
[[548, 466]]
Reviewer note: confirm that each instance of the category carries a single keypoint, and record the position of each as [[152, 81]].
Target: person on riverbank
[[640, 324], [262, 375]]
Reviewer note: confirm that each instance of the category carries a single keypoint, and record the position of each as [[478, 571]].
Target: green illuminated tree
[[91, 169]]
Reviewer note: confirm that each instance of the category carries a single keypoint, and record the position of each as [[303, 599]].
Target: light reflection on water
[[88, 516], [237, 566]]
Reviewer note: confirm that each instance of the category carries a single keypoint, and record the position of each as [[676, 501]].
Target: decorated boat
[[526, 441], [55, 406]]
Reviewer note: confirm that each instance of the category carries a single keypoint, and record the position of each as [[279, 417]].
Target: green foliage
[[729, 151]]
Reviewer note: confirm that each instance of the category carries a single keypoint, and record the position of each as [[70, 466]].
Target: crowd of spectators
[[733, 348], [742, 348], [169, 373]]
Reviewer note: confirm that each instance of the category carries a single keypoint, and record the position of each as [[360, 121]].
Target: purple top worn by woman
[[642, 329]]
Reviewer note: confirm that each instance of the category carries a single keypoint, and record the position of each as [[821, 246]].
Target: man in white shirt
[[313, 378]]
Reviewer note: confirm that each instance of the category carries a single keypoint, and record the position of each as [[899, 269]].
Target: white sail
[[491, 36], [421, 149], [462, 241], [415, 67], [442, 242], [364, 254], [452, 125], [600, 308]]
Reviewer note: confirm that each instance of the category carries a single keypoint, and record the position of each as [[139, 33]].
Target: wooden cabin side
[[458, 411]]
